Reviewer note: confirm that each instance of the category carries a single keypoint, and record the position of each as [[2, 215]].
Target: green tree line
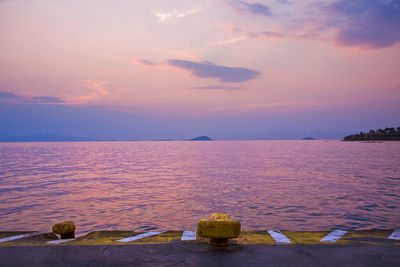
[[388, 134]]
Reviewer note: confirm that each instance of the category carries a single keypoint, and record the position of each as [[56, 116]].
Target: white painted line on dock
[[278, 236], [136, 237], [395, 235], [333, 236], [60, 241], [10, 238], [188, 236]]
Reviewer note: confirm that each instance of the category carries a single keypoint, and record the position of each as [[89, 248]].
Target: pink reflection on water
[[298, 185]]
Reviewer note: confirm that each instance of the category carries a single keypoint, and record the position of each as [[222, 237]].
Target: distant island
[[388, 134], [201, 138], [308, 138]]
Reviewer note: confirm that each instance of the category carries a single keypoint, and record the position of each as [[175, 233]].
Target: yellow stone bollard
[[65, 229], [219, 229]]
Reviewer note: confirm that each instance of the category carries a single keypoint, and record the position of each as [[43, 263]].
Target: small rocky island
[[201, 138], [388, 134]]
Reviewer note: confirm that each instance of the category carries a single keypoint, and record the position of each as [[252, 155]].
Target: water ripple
[[145, 186]]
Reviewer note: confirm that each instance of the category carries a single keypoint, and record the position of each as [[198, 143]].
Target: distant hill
[[308, 138], [201, 138], [388, 134], [286, 134], [45, 138]]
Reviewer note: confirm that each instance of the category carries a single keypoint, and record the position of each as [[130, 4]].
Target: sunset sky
[[230, 69]]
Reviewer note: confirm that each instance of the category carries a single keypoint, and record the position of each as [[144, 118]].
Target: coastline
[[360, 248]]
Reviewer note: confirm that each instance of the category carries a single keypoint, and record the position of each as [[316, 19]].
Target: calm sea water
[[294, 185]]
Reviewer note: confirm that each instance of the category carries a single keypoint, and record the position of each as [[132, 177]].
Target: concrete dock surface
[[201, 254], [252, 248]]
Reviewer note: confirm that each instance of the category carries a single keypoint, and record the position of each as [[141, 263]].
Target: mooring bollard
[[219, 229], [65, 229]]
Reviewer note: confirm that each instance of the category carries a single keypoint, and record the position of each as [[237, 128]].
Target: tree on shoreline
[[388, 134]]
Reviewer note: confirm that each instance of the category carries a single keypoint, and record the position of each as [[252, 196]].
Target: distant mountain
[[201, 138], [285, 134], [388, 134], [45, 138]]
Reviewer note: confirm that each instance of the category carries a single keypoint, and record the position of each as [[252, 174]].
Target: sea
[[171, 185]]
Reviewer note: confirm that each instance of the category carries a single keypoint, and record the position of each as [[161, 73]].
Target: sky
[[176, 69]]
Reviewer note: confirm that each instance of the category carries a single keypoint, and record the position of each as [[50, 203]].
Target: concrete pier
[[251, 248]]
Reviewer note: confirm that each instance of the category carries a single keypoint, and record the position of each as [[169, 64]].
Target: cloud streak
[[9, 97], [146, 62], [251, 8], [283, 1], [164, 15], [92, 90], [47, 99], [210, 70], [259, 34], [246, 35], [366, 23], [265, 34], [266, 107], [218, 87]]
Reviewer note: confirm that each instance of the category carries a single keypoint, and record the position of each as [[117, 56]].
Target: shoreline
[[258, 237], [252, 248]]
